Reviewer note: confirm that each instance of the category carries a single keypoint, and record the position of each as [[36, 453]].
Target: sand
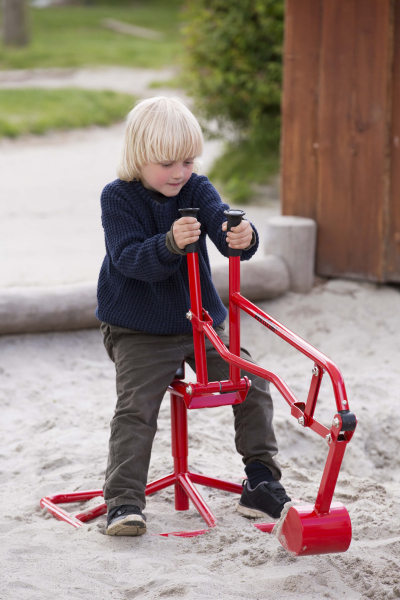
[[58, 395]]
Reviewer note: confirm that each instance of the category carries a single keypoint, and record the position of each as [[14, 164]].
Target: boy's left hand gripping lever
[[190, 212]]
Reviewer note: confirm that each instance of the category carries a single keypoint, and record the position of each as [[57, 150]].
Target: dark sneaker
[[268, 498], [126, 520]]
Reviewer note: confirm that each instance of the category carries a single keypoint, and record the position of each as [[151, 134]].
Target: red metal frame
[[324, 527], [181, 478]]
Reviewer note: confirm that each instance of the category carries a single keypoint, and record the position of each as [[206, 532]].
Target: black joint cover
[[349, 420], [190, 212], [234, 218]]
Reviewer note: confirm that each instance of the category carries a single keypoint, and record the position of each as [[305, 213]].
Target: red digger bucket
[[303, 531]]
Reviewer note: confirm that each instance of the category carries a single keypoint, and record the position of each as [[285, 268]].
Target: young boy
[[143, 298]]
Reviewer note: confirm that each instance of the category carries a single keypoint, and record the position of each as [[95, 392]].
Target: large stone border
[[67, 307], [58, 308], [52, 308]]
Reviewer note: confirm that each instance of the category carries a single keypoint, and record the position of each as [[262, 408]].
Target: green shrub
[[234, 59], [233, 70], [242, 165]]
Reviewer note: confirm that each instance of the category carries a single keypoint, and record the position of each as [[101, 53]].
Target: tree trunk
[[15, 23]]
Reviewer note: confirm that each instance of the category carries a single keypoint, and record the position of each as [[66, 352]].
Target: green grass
[[37, 111], [241, 166], [173, 83], [73, 36]]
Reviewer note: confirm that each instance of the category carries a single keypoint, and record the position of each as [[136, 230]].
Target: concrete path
[[119, 79], [50, 228]]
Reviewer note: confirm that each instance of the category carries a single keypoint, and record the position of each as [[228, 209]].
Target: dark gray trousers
[[145, 366]]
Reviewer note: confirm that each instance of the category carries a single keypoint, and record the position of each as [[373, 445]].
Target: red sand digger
[[320, 529]]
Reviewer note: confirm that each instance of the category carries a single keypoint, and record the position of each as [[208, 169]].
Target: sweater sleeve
[[171, 243], [133, 253], [212, 214]]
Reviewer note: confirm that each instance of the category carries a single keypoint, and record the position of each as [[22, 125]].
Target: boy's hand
[[186, 230], [240, 236]]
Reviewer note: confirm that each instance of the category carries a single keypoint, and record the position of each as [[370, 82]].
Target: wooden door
[[341, 124]]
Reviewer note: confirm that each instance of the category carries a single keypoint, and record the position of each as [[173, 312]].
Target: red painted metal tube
[[220, 386], [197, 500], [313, 395], [265, 527], [184, 533], [248, 366], [317, 427], [180, 448], [218, 484], [330, 476], [278, 382], [81, 496], [197, 308], [181, 498], [51, 502], [160, 484], [92, 513], [60, 513], [213, 387], [234, 315], [297, 342]]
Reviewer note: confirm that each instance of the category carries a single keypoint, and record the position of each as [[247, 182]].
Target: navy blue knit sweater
[[142, 285]]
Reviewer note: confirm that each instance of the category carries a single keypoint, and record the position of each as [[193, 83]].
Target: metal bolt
[[344, 401], [335, 422], [315, 371], [301, 421], [189, 315], [189, 390], [328, 438]]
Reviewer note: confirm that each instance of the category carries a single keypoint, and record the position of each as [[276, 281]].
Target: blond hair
[[158, 129]]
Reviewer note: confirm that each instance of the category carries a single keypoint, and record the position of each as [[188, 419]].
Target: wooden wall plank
[[393, 242], [299, 107], [352, 117]]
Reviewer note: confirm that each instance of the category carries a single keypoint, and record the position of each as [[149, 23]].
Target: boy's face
[[168, 177]]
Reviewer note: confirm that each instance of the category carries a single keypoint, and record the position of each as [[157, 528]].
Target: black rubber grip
[[234, 218], [190, 212]]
